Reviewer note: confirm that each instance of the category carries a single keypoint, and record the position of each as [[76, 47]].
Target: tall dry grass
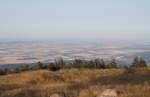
[[76, 83]]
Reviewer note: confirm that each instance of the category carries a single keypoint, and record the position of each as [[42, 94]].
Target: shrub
[[139, 62], [99, 63], [60, 63], [17, 70], [77, 63], [39, 65], [112, 64], [3, 72], [53, 67]]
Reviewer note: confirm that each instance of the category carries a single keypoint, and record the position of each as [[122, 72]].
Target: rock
[[108, 93], [55, 95]]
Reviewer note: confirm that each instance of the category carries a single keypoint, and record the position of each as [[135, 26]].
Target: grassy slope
[[74, 83]]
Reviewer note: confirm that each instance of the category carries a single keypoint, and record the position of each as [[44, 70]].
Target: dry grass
[[76, 83]]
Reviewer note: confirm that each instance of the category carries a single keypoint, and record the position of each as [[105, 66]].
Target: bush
[[39, 65], [112, 64], [60, 63], [77, 63], [53, 67], [139, 62], [3, 72], [99, 63]]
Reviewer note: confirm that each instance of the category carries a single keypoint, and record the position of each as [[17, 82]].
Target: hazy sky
[[74, 19]]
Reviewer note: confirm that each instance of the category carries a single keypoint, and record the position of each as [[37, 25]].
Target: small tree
[[112, 64], [24, 68], [53, 67], [142, 62], [3, 72], [139, 62], [102, 64], [96, 63], [91, 64], [60, 63], [99, 63], [39, 65], [135, 62], [17, 70]]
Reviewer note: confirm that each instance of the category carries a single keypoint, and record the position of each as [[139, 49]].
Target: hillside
[[76, 83]]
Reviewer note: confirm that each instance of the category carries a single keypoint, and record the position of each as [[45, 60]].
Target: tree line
[[76, 63]]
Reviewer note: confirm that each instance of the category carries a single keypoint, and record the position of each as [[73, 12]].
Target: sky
[[75, 19]]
